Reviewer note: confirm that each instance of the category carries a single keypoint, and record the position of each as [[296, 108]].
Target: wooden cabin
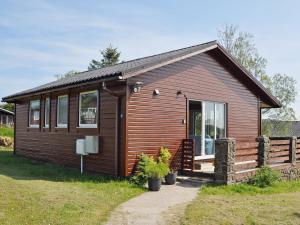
[[135, 107], [6, 117]]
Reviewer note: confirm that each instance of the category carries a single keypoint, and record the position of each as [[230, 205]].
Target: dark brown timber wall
[[155, 121], [58, 145]]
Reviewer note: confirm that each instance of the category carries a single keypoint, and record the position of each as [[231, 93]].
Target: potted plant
[[165, 156], [155, 171]]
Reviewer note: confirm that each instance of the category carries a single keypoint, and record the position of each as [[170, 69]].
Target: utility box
[[91, 144], [80, 147]]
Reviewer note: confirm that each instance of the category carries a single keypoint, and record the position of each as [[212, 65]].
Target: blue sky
[[42, 38]]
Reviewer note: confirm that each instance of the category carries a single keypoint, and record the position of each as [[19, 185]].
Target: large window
[[88, 104], [34, 113], [47, 112], [207, 123], [62, 111]]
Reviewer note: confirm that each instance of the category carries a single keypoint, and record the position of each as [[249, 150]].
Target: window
[[209, 119], [34, 113], [88, 104], [62, 111], [47, 112]]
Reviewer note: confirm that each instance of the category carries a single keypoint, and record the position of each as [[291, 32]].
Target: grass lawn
[[38, 193], [245, 204], [6, 131]]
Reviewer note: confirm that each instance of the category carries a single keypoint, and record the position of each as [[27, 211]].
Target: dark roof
[[6, 111], [133, 67]]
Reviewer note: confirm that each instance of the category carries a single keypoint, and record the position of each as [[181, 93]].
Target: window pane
[[34, 116], [220, 120], [47, 111], [62, 110], [209, 127], [88, 108]]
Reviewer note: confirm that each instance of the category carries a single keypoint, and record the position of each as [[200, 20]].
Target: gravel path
[[153, 208]]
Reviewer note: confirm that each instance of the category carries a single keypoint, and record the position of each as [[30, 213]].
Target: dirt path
[[153, 208]]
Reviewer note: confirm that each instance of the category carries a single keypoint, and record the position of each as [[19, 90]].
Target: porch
[[237, 160]]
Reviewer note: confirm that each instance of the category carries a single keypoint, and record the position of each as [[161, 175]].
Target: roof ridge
[[145, 57]]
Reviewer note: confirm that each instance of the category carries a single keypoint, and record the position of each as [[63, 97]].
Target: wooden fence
[[280, 150], [280, 153], [246, 159]]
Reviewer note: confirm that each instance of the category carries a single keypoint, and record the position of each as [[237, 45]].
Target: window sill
[[33, 127], [87, 127], [204, 157]]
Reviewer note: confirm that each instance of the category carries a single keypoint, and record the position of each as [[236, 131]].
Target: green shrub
[[141, 178], [265, 176], [156, 170], [164, 155], [149, 167]]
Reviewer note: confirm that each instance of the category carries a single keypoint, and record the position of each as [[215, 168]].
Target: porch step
[[194, 181], [197, 173]]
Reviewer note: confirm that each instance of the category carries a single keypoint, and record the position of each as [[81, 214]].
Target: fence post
[[225, 151], [264, 149], [292, 150]]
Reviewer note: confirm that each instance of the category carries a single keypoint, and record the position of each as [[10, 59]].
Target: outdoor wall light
[[156, 92], [137, 87]]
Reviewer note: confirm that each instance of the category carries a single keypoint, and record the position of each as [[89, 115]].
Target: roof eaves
[[107, 77]]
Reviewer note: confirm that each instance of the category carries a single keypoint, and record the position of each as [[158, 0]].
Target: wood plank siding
[[58, 145], [155, 121]]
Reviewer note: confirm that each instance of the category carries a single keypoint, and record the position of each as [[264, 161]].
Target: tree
[[242, 47], [71, 73], [283, 87], [8, 106], [110, 56]]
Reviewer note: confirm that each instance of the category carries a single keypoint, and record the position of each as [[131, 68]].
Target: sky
[[40, 39]]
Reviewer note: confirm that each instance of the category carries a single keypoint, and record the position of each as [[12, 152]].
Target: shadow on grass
[[20, 168]]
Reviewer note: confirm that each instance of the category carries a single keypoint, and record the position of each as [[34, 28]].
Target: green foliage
[[71, 73], [141, 178], [284, 88], [249, 189], [155, 169], [6, 131], [149, 167], [265, 177], [110, 56], [278, 128], [8, 106], [164, 155], [242, 47]]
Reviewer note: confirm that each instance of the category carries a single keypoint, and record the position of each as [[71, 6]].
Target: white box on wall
[[91, 144]]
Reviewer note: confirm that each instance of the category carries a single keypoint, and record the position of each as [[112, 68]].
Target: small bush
[[164, 155], [156, 170], [264, 177], [141, 178]]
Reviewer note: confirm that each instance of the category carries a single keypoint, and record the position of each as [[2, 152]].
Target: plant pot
[[171, 178], [154, 184]]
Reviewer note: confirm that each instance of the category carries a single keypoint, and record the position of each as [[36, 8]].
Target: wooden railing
[[188, 154], [280, 150], [246, 155]]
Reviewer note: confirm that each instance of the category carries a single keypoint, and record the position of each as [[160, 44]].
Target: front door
[[207, 122]]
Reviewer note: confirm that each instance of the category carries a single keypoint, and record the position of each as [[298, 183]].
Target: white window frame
[[29, 115], [45, 121], [61, 125], [203, 156], [79, 109]]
